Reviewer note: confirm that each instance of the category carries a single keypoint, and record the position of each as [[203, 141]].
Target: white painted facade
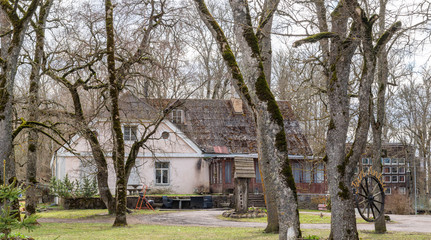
[[184, 168]]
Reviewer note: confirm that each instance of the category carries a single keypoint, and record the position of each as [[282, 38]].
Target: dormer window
[[177, 116], [130, 133]]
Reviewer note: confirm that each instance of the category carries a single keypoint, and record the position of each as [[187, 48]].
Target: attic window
[[177, 116], [165, 135], [130, 133]]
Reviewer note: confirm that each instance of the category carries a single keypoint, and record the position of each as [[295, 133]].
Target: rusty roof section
[[216, 127]]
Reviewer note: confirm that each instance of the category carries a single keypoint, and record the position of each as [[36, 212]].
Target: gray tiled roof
[[215, 128]]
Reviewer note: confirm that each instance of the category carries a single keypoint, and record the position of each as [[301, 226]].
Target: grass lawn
[[88, 213], [303, 218], [85, 231]]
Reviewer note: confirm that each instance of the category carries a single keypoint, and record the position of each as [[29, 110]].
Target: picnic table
[[133, 189]]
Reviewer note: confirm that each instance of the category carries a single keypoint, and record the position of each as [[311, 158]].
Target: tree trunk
[[266, 50], [378, 123], [6, 93], [16, 27], [102, 171], [118, 151], [33, 108], [343, 221]]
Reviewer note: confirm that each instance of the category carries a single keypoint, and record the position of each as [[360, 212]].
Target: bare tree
[[277, 172], [14, 25], [340, 50], [33, 106]]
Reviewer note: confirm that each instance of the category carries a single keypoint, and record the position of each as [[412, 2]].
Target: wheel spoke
[[368, 210], [378, 193], [362, 195], [377, 201], [363, 212], [366, 184], [365, 191], [375, 207], [374, 188], [372, 210]]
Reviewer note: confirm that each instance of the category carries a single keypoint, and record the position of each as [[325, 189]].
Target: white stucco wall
[[187, 169]]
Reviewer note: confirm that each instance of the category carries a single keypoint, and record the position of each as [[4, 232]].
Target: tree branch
[[315, 38], [386, 36]]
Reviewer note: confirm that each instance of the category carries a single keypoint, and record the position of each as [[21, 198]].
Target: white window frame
[[130, 136], [384, 159], [177, 116], [394, 161], [390, 170], [365, 161], [402, 172], [403, 192], [396, 170], [384, 179], [392, 178], [389, 192], [404, 179], [319, 173], [162, 169], [402, 161]]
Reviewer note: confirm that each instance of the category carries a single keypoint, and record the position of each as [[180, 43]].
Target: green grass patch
[[313, 210], [366, 235], [84, 231], [88, 213], [303, 218]]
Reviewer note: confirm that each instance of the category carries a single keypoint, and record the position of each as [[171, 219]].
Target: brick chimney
[[235, 100], [237, 105]]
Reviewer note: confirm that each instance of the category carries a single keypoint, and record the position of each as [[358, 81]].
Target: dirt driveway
[[208, 218]]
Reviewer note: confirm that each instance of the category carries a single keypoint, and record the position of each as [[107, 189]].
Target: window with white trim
[[401, 161], [386, 170], [388, 191], [402, 190], [394, 179], [401, 178], [402, 170], [386, 161], [319, 173], [162, 173], [386, 179], [177, 116], [394, 170], [257, 172], [365, 161], [130, 133], [394, 161]]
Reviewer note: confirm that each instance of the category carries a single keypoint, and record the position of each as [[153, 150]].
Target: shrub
[[65, 188], [8, 217], [397, 203]]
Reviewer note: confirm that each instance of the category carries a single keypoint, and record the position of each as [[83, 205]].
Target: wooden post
[[241, 195], [244, 170]]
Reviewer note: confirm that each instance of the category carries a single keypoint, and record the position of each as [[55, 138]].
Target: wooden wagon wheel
[[370, 198]]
